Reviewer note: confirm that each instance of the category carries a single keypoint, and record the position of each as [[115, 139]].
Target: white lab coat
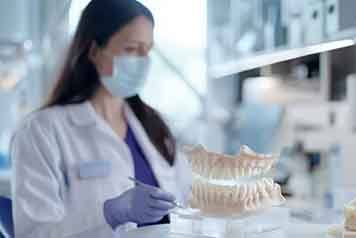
[[49, 198]]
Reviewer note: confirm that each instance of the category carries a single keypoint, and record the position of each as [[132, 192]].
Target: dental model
[[348, 229], [217, 166], [223, 200], [350, 216], [232, 185]]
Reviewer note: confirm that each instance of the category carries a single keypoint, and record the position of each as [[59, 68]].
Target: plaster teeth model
[[232, 185], [218, 166], [233, 200], [350, 216]]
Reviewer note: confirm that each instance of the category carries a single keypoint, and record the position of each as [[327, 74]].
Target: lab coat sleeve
[[38, 202]]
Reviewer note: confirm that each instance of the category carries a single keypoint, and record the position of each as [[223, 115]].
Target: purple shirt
[[143, 170]]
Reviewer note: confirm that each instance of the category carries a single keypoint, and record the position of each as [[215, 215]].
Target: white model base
[[348, 234], [270, 223]]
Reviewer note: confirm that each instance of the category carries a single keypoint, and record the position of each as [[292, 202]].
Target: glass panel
[[180, 37]]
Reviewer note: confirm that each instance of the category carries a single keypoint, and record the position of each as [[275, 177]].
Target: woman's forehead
[[139, 31]]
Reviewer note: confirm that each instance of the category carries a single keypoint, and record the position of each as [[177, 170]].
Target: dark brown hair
[[79, 79]]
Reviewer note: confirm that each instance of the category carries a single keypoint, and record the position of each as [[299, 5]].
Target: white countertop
[[293, 231]]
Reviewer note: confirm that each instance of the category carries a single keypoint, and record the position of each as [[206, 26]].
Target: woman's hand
[[141, 204]]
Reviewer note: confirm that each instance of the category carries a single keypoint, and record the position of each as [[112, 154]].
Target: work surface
[[293, 231]]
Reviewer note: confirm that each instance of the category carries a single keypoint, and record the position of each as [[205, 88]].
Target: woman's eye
[[131, 49]]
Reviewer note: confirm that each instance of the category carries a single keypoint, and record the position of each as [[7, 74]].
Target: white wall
[[14, 22]]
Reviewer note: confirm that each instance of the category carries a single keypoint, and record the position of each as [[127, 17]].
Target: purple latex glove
[[139, 205]]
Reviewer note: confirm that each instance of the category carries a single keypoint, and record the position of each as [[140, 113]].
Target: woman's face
[[135, 39]]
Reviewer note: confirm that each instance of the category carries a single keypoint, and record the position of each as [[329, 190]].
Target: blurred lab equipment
[[13, 63], [315, 20], [294, 17], [269, 96], [339, 16], [274, 27], [334, 179], [4, 161], [300, 180], [351, 100], [331, 17]]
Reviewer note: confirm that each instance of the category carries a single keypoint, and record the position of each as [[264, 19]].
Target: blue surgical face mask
[[129, 75]]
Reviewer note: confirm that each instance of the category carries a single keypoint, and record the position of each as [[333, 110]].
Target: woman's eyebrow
[[138, 42]]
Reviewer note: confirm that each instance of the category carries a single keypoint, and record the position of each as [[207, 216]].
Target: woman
[[72, 159]]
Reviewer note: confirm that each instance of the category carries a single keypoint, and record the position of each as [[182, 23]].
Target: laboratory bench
[[293, 231], [323, 224]]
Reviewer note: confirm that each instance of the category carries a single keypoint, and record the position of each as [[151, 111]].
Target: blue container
[[4, 161]]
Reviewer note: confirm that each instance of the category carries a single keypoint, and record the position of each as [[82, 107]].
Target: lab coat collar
[[82, 114]]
